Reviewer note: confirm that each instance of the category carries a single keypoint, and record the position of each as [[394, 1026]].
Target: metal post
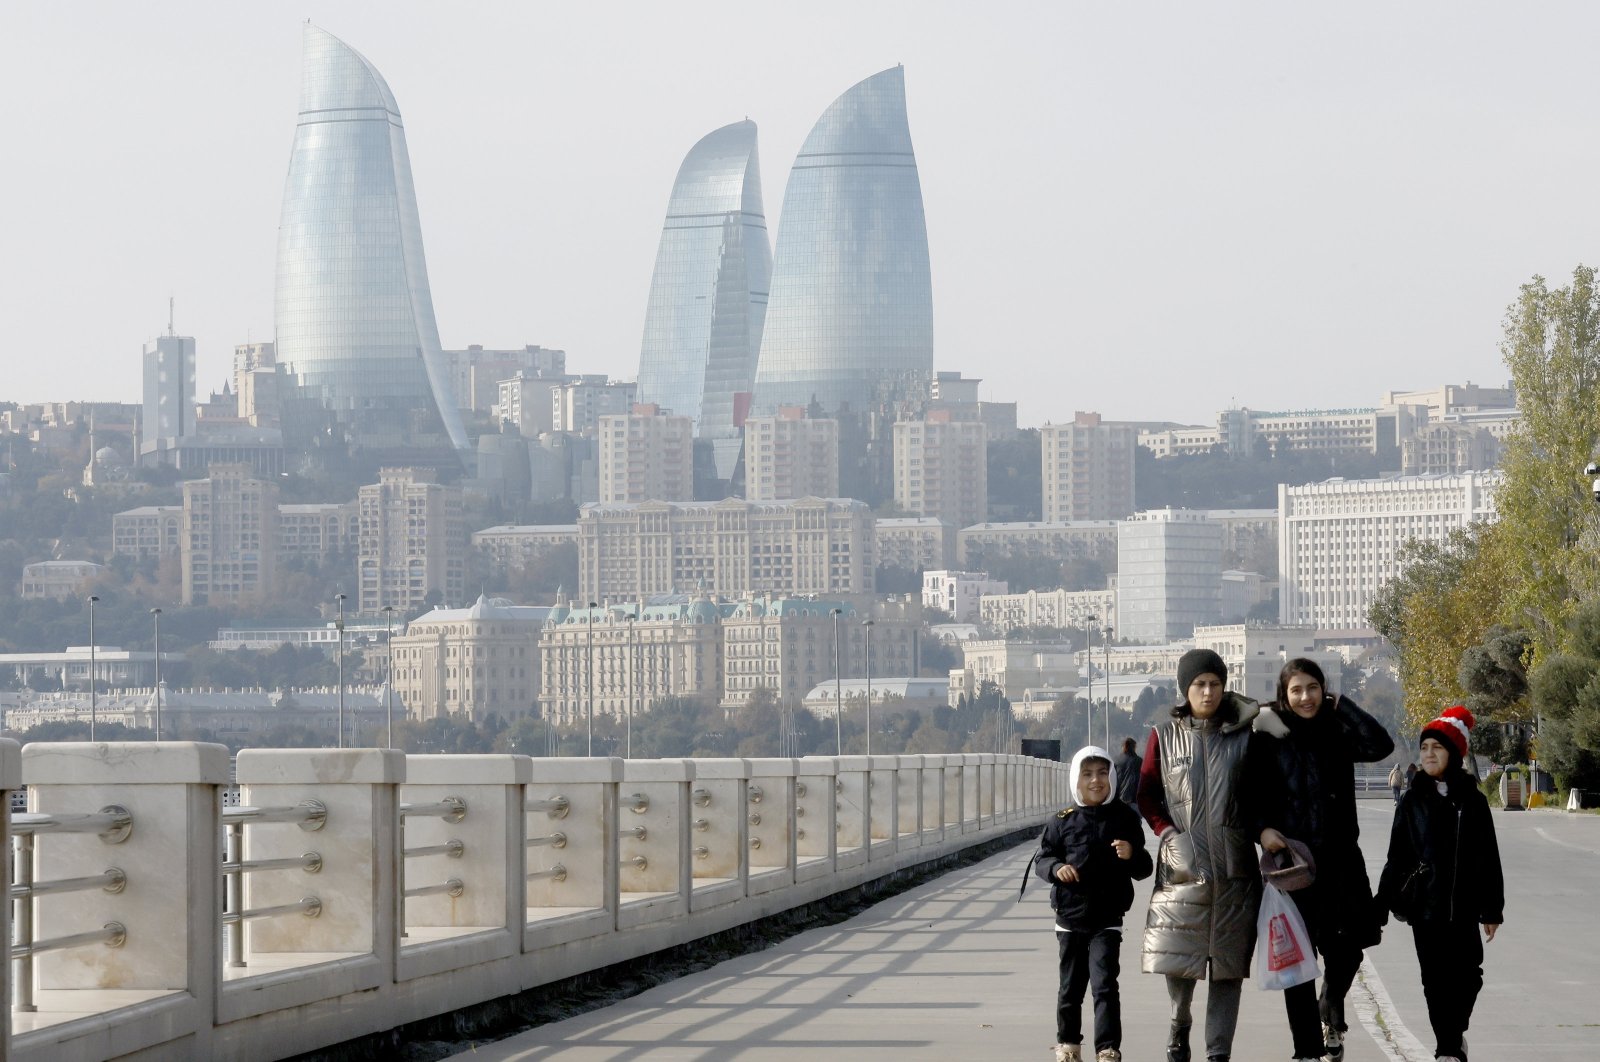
[[388, 673], [1088, 676], [868, 626], [235, 894], [1108, 687], [340, 625], [588, 670], [94, 699], [838, 688], [627, 751], [156, 612]]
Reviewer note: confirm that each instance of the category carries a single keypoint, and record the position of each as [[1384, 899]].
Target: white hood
[[1091, 752]]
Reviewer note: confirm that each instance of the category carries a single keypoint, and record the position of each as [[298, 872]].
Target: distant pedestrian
[[1411, 772], [1128, 765], [1443, 876], [1397, 781], [1091, 854]]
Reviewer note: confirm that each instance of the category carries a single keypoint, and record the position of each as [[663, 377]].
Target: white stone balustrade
[[10, 782], [565, 866]]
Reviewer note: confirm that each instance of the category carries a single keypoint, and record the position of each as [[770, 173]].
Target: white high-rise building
[[1169, 574], [1087, 469], [168, 389], [1338, 541], [646, 455], [787, 455], [941, 468]]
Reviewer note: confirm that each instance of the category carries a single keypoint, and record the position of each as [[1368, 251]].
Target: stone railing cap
[[722, 768], [816, 765], [560, 770], [658, 770], [912, 763], [321, 766], [484, 769], [986, 757], [773, 767], [853, 763], [883, 763], [124, 763], [934, 761]]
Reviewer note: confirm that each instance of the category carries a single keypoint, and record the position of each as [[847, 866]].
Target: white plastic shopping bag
[[1283, 949]]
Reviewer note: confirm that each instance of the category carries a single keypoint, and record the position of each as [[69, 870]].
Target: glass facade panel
[[354, 314], [851, 310], [708, 297]]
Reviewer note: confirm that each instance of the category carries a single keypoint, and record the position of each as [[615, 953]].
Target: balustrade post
[[815, 814], [654, 831], [571, 835], [986, 788], [483, 851], [10, 782], [908, 801], [353, 942], [882, 801], [853, 811], [719, 835], [771, 822], [168, 901], [933, 798]]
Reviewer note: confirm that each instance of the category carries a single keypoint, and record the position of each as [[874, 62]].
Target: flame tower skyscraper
[[354, 314]]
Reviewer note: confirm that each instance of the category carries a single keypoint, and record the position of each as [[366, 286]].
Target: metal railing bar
[[112, 880], [454, 887], [555, 873], [310, 906], [556, 807], [112, 935], [451, 848], [311, 863], [450, 809], [113, 823], [310, 815], [554, 840]]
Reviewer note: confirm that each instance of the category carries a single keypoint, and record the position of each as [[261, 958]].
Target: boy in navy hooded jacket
[[1091, 854]]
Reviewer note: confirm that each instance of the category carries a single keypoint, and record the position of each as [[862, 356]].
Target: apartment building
[[788, 455], [1087, 469], [412, 541], [941, 468]]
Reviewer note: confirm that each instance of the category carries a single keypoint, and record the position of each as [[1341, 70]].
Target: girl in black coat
[[1301, 778], [1443, 876]]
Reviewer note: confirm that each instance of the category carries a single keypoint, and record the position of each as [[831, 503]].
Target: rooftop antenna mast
[[170, 302]]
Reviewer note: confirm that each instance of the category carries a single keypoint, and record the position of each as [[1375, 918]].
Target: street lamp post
[[1108, 687], [94, 701], [588, 669], [627, 749], [388, 671], [838, 687], [156, 613], [1088, 675], [868, 625], [340, 627]]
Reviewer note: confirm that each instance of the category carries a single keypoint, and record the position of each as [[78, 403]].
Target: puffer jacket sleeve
[[1491, 883], [1369, 740], [1402, 858], [1152, 791], [1051, 851]]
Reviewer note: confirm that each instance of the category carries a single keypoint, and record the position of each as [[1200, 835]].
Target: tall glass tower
[[851, 313], [354, 314], [708, 297]]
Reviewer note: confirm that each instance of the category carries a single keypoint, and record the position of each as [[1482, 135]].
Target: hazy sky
[[1153, 210]]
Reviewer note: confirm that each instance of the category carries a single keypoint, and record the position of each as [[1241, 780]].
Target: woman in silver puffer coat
[[1202, 918]]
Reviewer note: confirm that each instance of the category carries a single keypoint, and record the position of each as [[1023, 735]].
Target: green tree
[[1565, 690]]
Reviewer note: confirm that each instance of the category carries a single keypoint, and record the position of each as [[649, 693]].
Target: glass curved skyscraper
[[850, 316], [354, 314], [708, 297]]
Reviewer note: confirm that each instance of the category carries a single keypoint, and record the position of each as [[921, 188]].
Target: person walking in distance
[[1397, 781], [1301, 786], [1091, 854], [1202, 918], [1443, 876], [1128, 765]]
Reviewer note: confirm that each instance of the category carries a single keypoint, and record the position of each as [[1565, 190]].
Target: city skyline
[[1205, 194]]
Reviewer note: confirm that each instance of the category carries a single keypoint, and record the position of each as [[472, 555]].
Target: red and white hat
[[1453, 728]]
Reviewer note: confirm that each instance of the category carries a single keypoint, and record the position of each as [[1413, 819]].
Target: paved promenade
[[957, 969]]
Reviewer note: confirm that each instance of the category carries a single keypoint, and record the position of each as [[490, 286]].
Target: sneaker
[[1108, 1054], [1332, 1043], [1069, 1053]]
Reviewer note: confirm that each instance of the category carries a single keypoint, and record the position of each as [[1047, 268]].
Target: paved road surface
[[957, 969]]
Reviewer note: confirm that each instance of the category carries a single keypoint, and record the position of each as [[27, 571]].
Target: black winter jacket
[[1128, 765], [1081, 837], [1444, 846]]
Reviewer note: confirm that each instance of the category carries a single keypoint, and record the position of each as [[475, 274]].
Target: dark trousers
[[1340, 961], [1451, 957], [1093, 960]]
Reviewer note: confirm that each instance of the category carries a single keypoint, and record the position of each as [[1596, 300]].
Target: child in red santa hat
[[1443, 877]]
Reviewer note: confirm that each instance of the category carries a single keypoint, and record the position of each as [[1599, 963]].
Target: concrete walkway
[[957, 969]]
